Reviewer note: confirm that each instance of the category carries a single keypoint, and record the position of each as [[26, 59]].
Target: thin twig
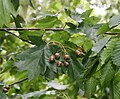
[[109, 33], [18, 82], [20, 29], [17, 36], [58, 43], [64, 26]]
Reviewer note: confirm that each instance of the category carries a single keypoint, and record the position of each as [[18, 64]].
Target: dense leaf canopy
[[59, 49]]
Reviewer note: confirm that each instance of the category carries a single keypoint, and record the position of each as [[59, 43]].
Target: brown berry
[[5, 89], [66, 64], [51, 59], [66, 57], [57, 55], [78, 53], [59, 64]]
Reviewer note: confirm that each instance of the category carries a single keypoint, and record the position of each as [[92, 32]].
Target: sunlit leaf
[[114, 21], [48, 22], [86, 13], [60, 36], [104, 28], [6, 8]]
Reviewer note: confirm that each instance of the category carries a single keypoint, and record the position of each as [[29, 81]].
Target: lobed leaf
[[36, 60]]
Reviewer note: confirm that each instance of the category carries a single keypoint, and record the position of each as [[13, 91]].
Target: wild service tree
[[59, 55]]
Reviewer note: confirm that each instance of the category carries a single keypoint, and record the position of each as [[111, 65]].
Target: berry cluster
[[57, 56], [59, 63]]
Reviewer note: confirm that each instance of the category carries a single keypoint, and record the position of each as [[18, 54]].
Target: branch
[[109, 33], [18, 82], [20, 29]]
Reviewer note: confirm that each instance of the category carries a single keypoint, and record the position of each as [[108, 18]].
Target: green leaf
[[15, 4], [99, 45], [117, 30], [2, 33], [34, 33], [68, 12], [116, 54], [76, 69], [104, 28], [60, 36], [91, 66], [18, 20], [71, 25], [92, 20], [77, 17], [114, 21], [87, 13], [90, 87], [78, 39], [116, 86], [89, 20], [88, 30], [6, 8], [34, 36], [36, 60], [107, 74], [48, 22], [107, 52], [81, 40], [51, 74]]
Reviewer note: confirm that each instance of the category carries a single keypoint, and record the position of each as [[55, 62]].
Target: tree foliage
[[89, 51]]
